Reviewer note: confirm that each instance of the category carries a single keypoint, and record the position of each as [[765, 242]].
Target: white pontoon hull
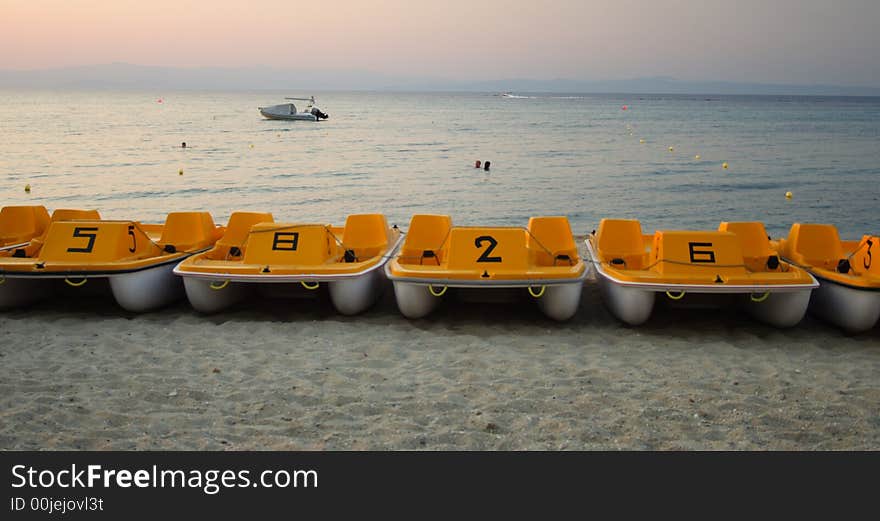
[[775, 306], [852, 309], [350, 295], [418, 298], [137, 291]]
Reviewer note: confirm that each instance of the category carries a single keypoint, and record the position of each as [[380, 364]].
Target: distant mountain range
[[128, 76]]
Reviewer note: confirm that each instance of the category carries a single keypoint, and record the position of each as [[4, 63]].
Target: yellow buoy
[[697, 156], [27, 188], [180, 172], [788, 195], [641, 141], [724, 166], [671, 149], [252, 145]]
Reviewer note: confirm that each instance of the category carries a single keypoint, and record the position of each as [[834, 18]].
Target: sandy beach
[[294, 375]]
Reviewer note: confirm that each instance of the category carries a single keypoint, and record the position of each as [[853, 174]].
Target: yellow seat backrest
[[754, 242], [236, 235], [69, 214], [366, 234], [239, 226], [189, 230], [20, 223], [426, 233], [551, 241], [621, 239], [814, 245]]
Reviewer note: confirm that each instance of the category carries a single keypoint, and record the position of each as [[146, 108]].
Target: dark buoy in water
[[486, 166], [477, 163], [183, 145]]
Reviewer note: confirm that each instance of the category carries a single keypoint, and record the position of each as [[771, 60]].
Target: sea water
[[582, 156]]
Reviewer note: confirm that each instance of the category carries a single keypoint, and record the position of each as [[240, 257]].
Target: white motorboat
[[288, 111]]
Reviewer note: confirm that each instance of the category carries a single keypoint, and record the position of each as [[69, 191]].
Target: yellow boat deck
[[738, 254], [255, 247], [819, 249], [434, 251]]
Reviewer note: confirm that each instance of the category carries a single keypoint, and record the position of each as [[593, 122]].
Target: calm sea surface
[[577, 155]]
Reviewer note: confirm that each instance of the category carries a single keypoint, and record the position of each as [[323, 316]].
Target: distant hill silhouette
[[129, 76]]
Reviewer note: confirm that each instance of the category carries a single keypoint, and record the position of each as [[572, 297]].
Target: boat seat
[[61, 214], [69, 214], [21, 223], [814, 245], [234, 240], [620, 243], [366, 235], [185, 231], [755, 243], [551, 240], [426, 239]]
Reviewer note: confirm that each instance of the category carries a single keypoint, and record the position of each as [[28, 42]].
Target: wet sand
[[294, 375]]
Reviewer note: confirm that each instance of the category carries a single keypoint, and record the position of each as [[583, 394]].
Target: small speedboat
[[289, 111], [737, 260], [283, 258], [849, 279], [541, 259], [78, 247]]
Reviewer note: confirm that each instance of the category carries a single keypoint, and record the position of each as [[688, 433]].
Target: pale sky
[[773, 41]]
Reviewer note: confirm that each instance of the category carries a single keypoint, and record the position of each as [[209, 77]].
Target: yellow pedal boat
[[634, 268], [78, 247], [542, 259], [255, 250], [849, 276]]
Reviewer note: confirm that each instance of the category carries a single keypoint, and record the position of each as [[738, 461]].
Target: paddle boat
[[288, 111], [849, 279], [20, 224], [541, 259], [256, 252], [635, 269], [78, 247]]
